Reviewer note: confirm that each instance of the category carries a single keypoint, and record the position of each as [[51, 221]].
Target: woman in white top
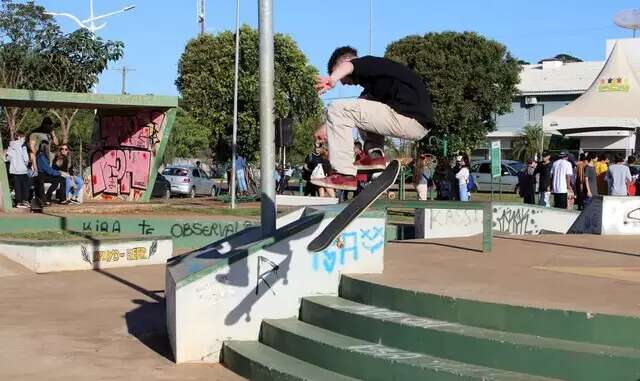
[[463, 179]]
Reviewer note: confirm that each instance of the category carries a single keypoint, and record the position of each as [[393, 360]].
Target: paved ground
[[88, 325], [577, 272]]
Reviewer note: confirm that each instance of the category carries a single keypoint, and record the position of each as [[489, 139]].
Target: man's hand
[[589, 194], [321, 134], [324, 84]]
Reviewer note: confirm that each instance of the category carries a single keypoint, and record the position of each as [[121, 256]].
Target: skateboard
[[358, 205]]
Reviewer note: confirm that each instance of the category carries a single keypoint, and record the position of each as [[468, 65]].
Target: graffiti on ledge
[[348, 245]]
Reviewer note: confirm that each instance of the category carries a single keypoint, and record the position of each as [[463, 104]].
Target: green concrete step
[[258, 362], [549, 357], [622, 331], [369, 360]]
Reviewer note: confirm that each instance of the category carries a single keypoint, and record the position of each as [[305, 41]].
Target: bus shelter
[[129, 138]]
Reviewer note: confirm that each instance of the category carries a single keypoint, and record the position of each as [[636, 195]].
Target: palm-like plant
[[527, 145]]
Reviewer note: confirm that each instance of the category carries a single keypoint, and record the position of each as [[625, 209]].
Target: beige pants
[[374, 120], [423, 191]]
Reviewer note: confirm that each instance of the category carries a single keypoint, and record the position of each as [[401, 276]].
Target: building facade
[[551, 85]]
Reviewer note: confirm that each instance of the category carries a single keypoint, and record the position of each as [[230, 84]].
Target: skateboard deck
[[358, 205]]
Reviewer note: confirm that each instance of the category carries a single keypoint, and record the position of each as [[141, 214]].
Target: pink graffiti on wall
[[137, 131], [122, 165], [116, 171]]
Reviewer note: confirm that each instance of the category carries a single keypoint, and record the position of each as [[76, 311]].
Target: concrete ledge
[[508, 218], [225, 290], [48, 256]]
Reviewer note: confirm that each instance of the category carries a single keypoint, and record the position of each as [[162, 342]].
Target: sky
[[156, 31]]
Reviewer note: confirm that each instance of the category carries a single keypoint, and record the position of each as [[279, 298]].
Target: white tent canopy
[[612, 102]]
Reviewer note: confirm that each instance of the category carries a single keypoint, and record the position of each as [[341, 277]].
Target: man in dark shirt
[[543, 169], [395, 102]]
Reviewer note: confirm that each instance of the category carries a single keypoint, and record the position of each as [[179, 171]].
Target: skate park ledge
[[86, 252]]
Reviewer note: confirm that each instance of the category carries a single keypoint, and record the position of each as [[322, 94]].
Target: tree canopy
[[470, 78], [36, 55], [566, 58], [188, 139], [205, 81]]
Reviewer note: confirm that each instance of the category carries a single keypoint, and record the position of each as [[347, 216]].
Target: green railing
[[487, 212]]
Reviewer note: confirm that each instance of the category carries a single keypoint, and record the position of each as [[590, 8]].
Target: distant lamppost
[[90, 23]]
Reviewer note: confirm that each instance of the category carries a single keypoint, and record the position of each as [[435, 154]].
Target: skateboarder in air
[[395, 102]]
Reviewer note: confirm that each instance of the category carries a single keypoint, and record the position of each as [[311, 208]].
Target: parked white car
[[481, 172], [189, 180]]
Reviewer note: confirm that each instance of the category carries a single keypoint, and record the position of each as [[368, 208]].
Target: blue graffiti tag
[[372, 241]]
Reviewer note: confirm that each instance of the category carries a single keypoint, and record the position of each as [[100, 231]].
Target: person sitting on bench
[[47, 174]]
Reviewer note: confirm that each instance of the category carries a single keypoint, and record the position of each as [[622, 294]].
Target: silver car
[[481, 172], [189, 180]]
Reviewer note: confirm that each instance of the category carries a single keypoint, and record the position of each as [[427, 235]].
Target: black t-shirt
[[545, 176], [394, 85]]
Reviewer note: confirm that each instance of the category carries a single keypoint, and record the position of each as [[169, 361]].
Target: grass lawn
[[54, 235]]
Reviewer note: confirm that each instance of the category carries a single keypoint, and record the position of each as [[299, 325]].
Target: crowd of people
[[33, 164], [574, 183], [448, 179]]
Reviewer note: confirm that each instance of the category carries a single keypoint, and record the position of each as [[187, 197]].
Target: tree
[[566, 58], [24, 30], [35, 54], [188, 139], [530, 143], [470, 78], [72, 63], [205, 81]]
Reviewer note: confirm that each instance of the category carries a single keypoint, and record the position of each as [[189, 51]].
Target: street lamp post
[[90, 23], [234, 138]]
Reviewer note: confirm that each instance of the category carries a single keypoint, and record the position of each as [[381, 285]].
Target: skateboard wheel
[[392, 195]]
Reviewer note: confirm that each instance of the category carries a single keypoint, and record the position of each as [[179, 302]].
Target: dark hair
[[602, 157], [545, 153], [618, 158], [631, 159], [591, 156], [582, 157], [339, 52]]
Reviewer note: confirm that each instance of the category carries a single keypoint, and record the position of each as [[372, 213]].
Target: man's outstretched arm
[[324, 84]]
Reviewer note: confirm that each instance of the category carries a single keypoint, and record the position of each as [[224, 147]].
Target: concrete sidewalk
[[592, 273], [89, 325]]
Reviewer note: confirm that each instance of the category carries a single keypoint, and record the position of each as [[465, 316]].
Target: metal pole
[[92, 26], [235, 110], [267, 128], [124, 79], [370, 26]]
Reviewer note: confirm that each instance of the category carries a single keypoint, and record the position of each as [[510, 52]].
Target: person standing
[[561, 174], [618, 177], [463, 179], [18, 162], [36, 137], [580, 166], [602, 165], [543, 170], [590, 181], [633, 186], [241, 178], [423, 175], [527, 180]]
